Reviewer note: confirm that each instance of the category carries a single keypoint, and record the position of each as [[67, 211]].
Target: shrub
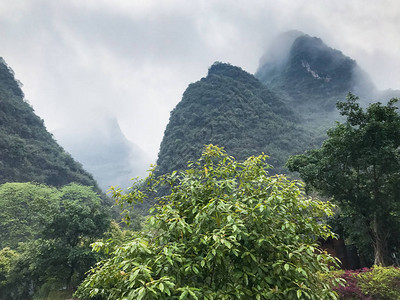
[[351, 290], [377, 283], [380, 283], [226, 230]]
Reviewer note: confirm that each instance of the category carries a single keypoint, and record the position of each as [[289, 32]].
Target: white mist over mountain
[[135, 58], [102, 148]]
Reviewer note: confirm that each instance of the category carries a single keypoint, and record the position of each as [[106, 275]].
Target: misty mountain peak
[[100, 145], [279, 49], [307, 66], [230, 108], [315, 58], [28, 152], [228, 70]]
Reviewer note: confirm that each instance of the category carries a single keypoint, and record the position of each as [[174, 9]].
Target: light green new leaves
[[226, 230]]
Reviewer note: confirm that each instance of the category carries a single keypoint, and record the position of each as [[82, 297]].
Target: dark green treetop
[[359, 167], [48, 231]]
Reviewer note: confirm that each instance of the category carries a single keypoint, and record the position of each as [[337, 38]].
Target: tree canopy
[[359, 167], [45, 236], [226, 230], [26, 209]]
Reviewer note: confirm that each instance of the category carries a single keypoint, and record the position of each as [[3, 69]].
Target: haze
[[134, 59]]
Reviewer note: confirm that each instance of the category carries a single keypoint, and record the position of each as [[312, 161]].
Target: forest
[[256, 176], [230, 230]]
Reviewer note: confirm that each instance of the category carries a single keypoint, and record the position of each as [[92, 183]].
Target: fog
[[134, 59]]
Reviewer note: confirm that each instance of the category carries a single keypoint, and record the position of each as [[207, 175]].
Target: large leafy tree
[[226, 230], [7, 255], [80, 221], [25, 209], [359, 167], [47, 234]]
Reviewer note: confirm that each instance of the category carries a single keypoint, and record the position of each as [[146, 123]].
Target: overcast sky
[[133, 59]]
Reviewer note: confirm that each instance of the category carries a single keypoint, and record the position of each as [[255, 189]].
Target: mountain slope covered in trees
[[28, 152], [284, 109], [233, 109]]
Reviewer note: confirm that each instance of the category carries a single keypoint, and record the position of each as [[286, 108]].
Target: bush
[[48, 290], [226, 230], [380, 282], [350, 290], [377, 283]]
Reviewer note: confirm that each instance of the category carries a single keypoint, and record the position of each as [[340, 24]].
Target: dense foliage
[[25, 209], [45, 236], [376, 283], [226, 230], [223, 229], [233, 109], [359, 167], [27, 151]]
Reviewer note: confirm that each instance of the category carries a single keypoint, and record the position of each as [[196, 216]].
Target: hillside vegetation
[[233, 109], [28, 152], [51, 209], [223, 223]]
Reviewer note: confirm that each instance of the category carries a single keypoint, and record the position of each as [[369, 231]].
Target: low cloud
[[135, 58]]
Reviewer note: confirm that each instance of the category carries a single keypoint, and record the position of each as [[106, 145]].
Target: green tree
[[25, 209], [7, 255], [80, 221], [226, 230], [23, 277], [49, 232], [359, 167]]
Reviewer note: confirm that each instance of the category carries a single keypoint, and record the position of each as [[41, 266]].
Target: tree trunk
[[69, 278], [379, 239], [379, 236]]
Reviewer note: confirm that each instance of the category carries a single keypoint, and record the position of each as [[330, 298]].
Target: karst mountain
[[283, 109], [28, 152]]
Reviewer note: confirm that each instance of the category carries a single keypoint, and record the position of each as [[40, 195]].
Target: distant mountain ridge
[[28, 152], [284, 109], [103, 150]]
